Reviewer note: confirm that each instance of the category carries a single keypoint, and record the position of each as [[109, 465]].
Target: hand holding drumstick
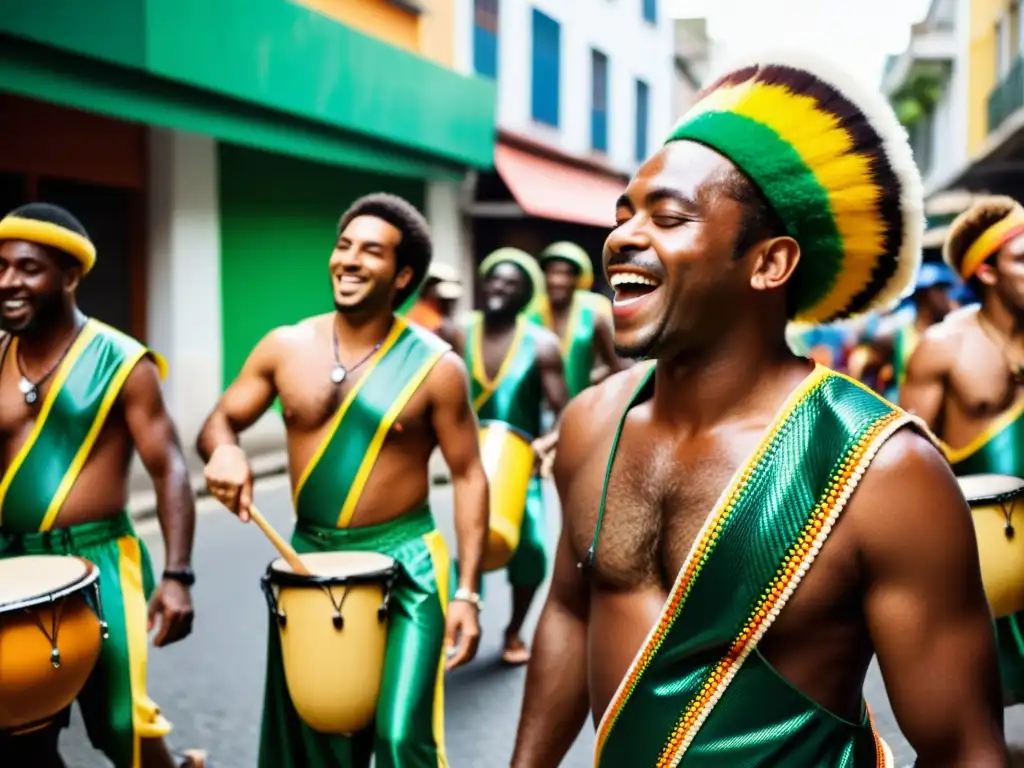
[[229, 479]]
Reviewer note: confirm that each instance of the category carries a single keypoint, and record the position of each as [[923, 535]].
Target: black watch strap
[[185, 576]]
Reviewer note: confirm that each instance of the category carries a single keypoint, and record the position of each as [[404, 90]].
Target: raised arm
[[556, 701], [925, 607], [160, 450], [455, 425], [228, 475], [924, 390]]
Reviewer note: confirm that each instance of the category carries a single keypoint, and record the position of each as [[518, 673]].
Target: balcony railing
[[1007, 97]]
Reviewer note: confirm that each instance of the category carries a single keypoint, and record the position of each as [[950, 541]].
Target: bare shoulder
[[449, 376], [908, 497], [547, 342], [592, 415]]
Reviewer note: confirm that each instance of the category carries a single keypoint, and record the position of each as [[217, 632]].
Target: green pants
[[409, 727], [115, 707], [1010, 642]]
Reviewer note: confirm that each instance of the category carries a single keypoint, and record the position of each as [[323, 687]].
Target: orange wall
[[437, 33], [376, 18]]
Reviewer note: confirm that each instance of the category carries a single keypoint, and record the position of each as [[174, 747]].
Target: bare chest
[[660, 495], [311, 398], [981, 385]]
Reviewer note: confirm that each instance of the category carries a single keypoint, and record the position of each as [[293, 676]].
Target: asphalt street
[[210, 686]]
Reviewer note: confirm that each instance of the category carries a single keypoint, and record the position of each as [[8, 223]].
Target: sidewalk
[[142, 504]]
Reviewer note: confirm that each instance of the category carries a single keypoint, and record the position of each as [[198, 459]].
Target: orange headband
[[990, 241]]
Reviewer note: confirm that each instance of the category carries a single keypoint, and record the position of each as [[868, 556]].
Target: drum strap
[[68, 541]]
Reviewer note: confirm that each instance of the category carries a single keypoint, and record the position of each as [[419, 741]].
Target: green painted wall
[[218, 66], [278, 227]]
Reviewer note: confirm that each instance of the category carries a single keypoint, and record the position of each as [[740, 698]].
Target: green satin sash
[[1000, 450], [516, 393], [904, 343], [578, 342], [330, 487], [698, 693], [85, 387]]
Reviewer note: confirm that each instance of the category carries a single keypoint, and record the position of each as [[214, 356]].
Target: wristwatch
[[466, 596], [185, 576]]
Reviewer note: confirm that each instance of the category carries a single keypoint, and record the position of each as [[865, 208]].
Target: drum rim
[[92, 574], [511, 428], [292, 579], [997, 497]]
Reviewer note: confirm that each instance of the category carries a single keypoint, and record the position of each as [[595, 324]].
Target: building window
[[642, 119], [546, 69], [650, 11], [485, 38], [599, 101]]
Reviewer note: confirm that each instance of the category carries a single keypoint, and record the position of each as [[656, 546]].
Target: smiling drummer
[[366, 398], [76, 397], [744, 530], [966, 377], [515, 368], [579, 317]]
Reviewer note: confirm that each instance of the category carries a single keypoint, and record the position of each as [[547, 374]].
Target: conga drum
[[508, 459], [993, 500], [51, 629], [333, 629]]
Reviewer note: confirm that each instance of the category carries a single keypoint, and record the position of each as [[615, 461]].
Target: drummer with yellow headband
[[76, 397], [515, 367], [579, 317], [966, 377]]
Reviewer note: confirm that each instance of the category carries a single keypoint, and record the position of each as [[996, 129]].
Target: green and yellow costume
[[409, 726], [699, 687], [587, 307], [116, 709], [844, 185]]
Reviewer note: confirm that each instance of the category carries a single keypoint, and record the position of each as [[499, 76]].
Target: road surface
[[210, 686]]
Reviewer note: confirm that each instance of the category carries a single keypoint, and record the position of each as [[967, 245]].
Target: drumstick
[[282, 546]]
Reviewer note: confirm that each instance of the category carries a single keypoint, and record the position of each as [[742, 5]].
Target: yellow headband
[[54, 235], [990, 241]]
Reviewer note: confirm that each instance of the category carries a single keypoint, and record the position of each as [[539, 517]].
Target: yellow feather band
[[53, 235], [990, 241]]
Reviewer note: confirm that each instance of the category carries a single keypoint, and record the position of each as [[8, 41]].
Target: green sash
[[578, 341], [699, 687], [999, 449], [332, 483], [516, 393], [85, 387]]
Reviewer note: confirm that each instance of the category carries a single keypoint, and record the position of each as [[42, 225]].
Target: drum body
[[997, 507], [508, 459], [333, 629], [51, 630]]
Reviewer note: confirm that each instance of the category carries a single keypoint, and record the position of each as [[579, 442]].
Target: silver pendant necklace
[[30, 389], [339, 373]]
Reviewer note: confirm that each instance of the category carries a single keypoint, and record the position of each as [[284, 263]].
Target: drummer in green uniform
[[966, 378], [579, 317], [515, 367]]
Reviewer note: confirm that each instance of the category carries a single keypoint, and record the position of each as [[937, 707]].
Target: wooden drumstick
[[282, 546]]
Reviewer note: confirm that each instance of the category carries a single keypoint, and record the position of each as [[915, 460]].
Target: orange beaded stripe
[[699, 554], [787, 579]]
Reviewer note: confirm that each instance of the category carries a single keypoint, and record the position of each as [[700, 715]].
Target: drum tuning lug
[[1009, 531], [104, 630], [55, 658], [382, 612], [339, 621]]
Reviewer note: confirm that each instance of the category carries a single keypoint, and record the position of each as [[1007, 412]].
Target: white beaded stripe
[[844, 497]]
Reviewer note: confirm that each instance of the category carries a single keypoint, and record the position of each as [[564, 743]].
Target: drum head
[[988, 488], [340, 566], [31, 577]]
